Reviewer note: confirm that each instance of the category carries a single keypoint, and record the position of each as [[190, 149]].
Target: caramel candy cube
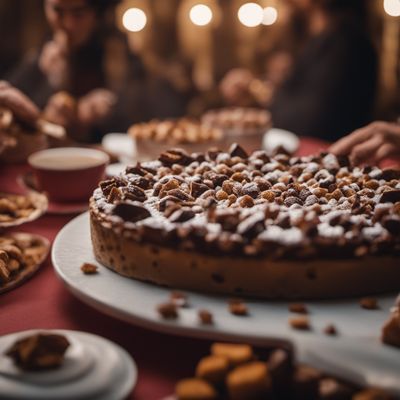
[[249, 381], [194, 389], [235, 353], [213, 369]]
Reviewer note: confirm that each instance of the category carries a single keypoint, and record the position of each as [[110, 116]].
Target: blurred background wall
[[193, 43]]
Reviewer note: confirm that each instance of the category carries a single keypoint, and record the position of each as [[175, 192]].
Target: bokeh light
[[251, 14], [134, 19], [270, 15], [200, 14], [392, 7]]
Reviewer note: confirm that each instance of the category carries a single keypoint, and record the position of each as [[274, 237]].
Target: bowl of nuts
[[155, 137]]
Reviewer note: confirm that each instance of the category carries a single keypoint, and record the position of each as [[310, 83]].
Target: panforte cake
[[275, 227]]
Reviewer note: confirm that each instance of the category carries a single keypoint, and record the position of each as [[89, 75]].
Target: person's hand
[[235, 85], [53, 60], [370, 144], [95, 106], [61, 109], [19, 104]]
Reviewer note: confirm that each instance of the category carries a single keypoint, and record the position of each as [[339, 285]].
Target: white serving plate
[[93, 368], [355, 353]]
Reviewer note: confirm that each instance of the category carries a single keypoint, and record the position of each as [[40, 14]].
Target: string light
[[200, 14], [251, 14], [270, 15], [134, 19], [392, 7]]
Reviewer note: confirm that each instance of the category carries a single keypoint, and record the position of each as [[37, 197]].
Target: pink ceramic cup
[[68, 174]]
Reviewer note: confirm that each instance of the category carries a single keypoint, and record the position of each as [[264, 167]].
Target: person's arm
[[21, 106], [370, 144]]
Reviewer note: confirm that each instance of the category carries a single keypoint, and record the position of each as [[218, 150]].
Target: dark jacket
[[331, 89]]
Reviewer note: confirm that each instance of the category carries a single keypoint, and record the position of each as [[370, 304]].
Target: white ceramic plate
[[93, 368], [358, 352], [120, 144]]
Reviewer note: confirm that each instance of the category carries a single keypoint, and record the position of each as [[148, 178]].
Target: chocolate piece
[[390, 196], [300, 323], [237, 151], [131, 211], [330, 330], [175, 156], [89, 269], [134, 193], [39, 352], [206, 318], [298, 308], [179, 299], [182, 215], [369, 303], [389, 174], [197, 189], [168, 310], [237, 307]]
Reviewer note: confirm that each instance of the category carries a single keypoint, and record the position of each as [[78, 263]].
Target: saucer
[[93, 368], [28, 182]]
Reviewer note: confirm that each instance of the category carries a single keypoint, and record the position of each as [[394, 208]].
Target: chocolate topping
[[257, 206]]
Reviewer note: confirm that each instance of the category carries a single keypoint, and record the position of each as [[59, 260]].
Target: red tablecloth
[[43, 302]]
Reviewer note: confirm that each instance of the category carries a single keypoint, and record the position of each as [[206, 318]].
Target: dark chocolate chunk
[[252, 225], [389, 174], [175, 156], [131, 211], [197, 189], [391, 196], [182, 215], [392, 224], [237, 151]]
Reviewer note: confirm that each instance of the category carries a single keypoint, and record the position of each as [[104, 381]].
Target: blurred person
[[370, 144], [89, 59], [17, 145], [330, 88]]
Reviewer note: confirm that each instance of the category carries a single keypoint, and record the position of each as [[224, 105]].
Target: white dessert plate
[[357, 350], [120, 144], [276, 138], [93, 368]]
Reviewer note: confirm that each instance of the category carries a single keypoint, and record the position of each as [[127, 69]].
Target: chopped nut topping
[[206, 318], [168, 310], [330, 330], [369, 303], [300, 323], [237, 307], [89, 269], [179, 299], [298, 308]]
